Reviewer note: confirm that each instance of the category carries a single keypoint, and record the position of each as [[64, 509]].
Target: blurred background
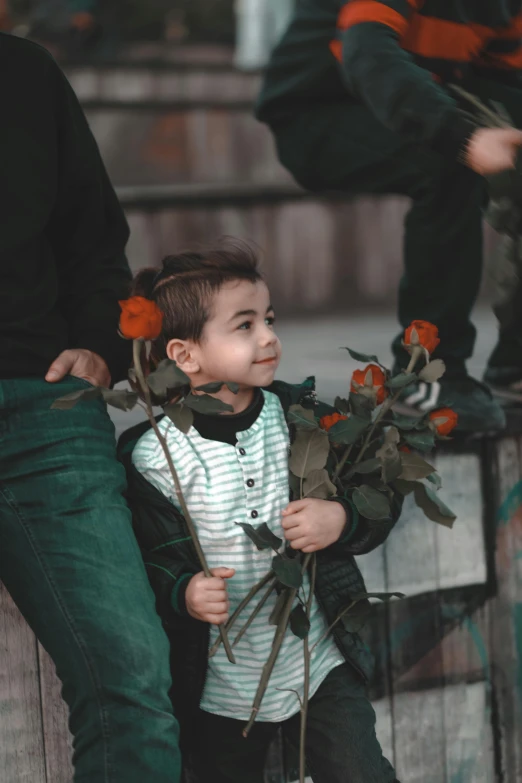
[[168, 87]]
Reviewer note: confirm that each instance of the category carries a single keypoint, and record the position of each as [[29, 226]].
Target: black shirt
[[62, 230], [223, 427]]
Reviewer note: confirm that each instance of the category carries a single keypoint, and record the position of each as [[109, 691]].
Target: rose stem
[[276, 646], [306, 689], [231, 620], [190, 524], [254, 614]]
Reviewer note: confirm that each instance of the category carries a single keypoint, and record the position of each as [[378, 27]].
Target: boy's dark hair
[[184, 286]]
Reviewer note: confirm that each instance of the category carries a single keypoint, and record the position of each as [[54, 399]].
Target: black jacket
[[171, 561]]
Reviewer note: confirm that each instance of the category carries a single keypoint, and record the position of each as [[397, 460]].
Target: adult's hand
[[82, 364], [492, 150]]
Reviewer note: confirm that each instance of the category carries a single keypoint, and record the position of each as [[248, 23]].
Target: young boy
[[219, 326]]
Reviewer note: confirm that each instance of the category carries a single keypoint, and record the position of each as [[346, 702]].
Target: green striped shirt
[[224, 485]]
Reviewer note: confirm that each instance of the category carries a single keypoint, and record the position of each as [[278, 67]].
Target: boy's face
[[238, 342]]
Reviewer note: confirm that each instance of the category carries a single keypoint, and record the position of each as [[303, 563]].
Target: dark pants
[[341, 745], [69, 559], [343, 147]]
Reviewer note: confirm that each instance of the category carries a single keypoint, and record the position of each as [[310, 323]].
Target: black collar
[[223, 427]]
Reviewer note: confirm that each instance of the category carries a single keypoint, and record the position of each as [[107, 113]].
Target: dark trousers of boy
[[68, 555], [343, 147], [341, 744]]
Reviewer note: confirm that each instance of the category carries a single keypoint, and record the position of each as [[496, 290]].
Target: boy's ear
[[182, 352]]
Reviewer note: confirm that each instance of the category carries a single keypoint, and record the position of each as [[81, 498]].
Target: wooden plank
[[419, 736], [411, 553], [461, 552], [21, 738], [58, 741], [470, 756], [506, 634]]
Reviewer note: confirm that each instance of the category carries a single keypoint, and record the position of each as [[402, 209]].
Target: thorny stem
[[254, 614], [276, 647], [306, 688], [246, 600], [190, 524]]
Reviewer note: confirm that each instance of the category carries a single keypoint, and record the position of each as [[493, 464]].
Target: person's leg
[[223, 755], [343, 147], [347, 149], [505, 363], [72, 565], [341, 744]]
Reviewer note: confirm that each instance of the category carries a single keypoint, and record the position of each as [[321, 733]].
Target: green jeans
[[341, 146], [69, 559]]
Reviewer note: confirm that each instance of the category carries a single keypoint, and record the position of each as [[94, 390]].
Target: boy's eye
[[270, 320], [246, 325]]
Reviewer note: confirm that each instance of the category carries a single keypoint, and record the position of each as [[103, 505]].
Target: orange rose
[[443, 421], [421, 333], [405, 449], [140, 317], [327, 422], [370, 383]]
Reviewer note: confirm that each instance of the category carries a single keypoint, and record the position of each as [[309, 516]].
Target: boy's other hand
[[312, 524], [206, 597], [492, 150]]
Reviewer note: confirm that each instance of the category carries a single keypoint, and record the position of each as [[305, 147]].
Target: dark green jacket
[[395, 56], [171, 561]]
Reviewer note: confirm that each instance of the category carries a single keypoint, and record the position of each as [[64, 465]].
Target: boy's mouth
[[269, 360]]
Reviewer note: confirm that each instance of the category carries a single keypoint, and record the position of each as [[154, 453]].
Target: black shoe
[[471, 400]]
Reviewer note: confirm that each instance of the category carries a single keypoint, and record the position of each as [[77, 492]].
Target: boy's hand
[[492, 150], [206, 597], [313, 524]]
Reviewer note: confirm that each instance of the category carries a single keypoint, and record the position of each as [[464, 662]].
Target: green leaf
[[367, 358], [404, 487], [401, 380], [211, 388], [275, 615], [123, 399], [299, 622], [349, 430], [303, 418], [308, 452], [180, 415], [68, 401], [422, 441], [371, 503], [232, 386], [414, 467], [341, 405], [434, 508], [361, 406], [435, 479], [204, 403], [432, 371], [261, 536], [166, 378], [368, 466], [389, 456], [318, 485], [287, 571], [405, 423]]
